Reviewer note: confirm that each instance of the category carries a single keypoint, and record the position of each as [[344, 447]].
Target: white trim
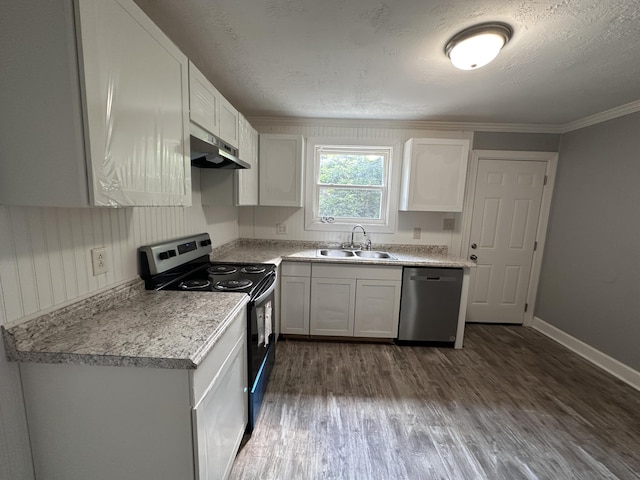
[[393, 183], [551, 158], [610, 114], [268, 121], [608, 364]]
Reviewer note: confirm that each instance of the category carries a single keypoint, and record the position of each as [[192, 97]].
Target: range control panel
[[167, 255]]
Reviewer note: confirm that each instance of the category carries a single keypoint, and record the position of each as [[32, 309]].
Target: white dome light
[[476, 46]]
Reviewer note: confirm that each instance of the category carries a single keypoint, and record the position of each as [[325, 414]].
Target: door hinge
[[526, 306], [545, 180], [535, 246]]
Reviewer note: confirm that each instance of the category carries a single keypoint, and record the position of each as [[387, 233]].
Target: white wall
[[45, 263], [260, 222]]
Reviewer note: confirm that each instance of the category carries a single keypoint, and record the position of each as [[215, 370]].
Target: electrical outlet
[[449, 224], [417, 233], [281, 229], [99, 260]]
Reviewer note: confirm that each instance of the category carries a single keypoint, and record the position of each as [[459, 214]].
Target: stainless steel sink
[[327, 252], [373, 254], [338, 253]]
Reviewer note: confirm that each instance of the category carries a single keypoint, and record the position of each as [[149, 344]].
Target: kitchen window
[[351, 181]]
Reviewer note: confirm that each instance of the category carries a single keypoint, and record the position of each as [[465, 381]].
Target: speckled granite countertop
[[275, 251], [128, 326]]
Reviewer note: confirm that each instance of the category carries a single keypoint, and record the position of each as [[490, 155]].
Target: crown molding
[[610, 114], [263, 121]]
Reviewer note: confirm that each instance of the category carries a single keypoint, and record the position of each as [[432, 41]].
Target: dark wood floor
[[511, 405]]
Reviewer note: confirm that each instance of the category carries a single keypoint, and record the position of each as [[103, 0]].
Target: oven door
[[262, 345]]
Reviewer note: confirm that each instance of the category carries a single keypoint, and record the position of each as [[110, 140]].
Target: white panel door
[[506, 209], [377, 308], [332, 306], [294, 310]]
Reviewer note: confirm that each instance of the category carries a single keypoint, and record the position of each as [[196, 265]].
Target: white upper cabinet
[[434, 172], [204, 101], [281, 170], [228, 123], [247, 179], [95, 107], [210, 110]]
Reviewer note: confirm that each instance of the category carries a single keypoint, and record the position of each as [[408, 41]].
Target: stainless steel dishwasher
[[429, 304]]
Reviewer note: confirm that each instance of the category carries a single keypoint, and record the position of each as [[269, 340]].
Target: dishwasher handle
[[432, 278]]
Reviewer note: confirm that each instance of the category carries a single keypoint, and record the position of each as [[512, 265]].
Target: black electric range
[[183, 264]]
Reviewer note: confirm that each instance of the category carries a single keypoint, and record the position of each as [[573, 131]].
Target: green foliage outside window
[[340, 170]]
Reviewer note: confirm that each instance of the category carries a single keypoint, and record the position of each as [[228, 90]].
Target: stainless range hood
[[208, 151]]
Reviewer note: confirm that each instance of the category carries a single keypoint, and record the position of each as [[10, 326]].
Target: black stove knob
[[204, 243], [167, 254]]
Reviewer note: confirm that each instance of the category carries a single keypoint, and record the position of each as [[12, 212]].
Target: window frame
[[391, 180]]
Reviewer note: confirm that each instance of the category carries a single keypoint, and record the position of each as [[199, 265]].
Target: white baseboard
[[599, 359]]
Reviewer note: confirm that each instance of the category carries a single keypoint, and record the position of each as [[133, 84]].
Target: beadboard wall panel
[[45, 253], [260, 222]]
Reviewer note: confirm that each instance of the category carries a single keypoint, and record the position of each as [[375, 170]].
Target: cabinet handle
[[474, 257], [474, 245]]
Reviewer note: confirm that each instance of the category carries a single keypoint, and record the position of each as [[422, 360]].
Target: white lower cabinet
[[221, 417], [377, 308], [332, 306], [295, 294], [105, 422], [345, 300]]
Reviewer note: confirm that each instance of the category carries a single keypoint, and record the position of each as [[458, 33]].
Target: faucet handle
[[367, 244]]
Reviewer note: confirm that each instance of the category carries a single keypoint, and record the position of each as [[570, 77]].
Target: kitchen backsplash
[[45, 253]]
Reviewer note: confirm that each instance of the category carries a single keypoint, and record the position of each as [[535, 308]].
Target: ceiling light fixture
[[476, 46]]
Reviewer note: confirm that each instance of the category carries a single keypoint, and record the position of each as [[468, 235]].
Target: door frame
[[551, 159]]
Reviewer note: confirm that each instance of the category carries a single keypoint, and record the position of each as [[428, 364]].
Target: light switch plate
[[281, 229], [417, 233], [449, 224], [99, 261]]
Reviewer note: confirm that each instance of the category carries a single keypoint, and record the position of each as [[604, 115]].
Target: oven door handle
[[269, 290]]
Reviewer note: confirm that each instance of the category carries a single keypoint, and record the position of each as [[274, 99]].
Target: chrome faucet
[[353, 230]]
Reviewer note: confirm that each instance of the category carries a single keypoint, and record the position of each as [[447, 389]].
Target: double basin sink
[[339, 253]]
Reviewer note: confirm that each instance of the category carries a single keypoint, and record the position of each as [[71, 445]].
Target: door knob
[[474, 257], [474, 245]]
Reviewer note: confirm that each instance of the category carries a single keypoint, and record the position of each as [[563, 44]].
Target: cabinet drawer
[[212, 363], [295, 269], [372, 272]]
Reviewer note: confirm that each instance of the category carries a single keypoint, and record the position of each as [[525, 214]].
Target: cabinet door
[[294, 310], [204, 101], [434, 174], [135, 83], [377, 308], [228, 123], [332, 306], [221, 417], [281, 170], [247, 179]]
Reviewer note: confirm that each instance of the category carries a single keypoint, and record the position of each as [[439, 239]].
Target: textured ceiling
[[384, 60]]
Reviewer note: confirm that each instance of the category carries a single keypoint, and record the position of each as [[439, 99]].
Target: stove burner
[[222, 270], [253, 269], [233, 284], [194, 284]]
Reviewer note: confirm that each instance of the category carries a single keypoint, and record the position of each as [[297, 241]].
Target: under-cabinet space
[[434, 172], [105, 122]]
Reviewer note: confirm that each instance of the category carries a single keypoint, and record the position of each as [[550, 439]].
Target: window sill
[[346, 227]]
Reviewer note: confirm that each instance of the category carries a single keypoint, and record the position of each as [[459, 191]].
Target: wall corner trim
[[611, 365]]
